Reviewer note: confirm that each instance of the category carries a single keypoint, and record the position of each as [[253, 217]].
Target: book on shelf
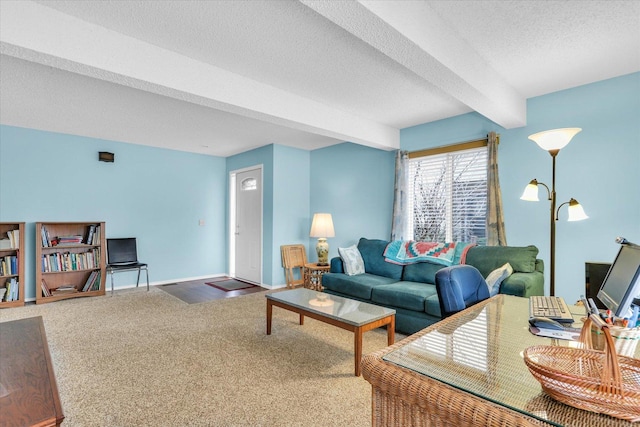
[[12, 241], [12, 290], [45, 289], [75, 239], [67, 261], [91, 229], [96, 282], [44, 237], [93, 282], [64, 290], [14, 237], [8, 265], [89, 282], [96, 236]]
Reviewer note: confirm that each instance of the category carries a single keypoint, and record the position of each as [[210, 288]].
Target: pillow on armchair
[[495, 278]]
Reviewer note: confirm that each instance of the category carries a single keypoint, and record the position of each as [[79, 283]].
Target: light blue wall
[[285, 201], [46, 176], [600, 168], [290, 203], [153, 194], [355, 185]]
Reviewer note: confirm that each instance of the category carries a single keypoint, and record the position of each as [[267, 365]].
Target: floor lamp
[[553, 141]]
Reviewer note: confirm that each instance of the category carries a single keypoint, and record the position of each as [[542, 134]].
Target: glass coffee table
[[351, 315]]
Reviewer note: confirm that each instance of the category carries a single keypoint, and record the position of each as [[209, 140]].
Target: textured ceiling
[[223, 77]]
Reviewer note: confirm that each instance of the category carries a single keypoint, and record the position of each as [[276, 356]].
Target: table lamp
[[322, 227]]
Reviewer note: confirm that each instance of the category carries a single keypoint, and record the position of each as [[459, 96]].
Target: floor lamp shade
[[576, 212], [555, 139], [530, 193], [322, 227]]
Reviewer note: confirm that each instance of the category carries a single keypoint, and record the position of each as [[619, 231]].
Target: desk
[[28, 391], [468, 370]]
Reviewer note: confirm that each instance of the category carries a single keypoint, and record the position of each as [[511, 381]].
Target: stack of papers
[[572, 334]]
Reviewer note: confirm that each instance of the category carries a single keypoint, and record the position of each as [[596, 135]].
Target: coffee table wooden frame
[[389, 321]]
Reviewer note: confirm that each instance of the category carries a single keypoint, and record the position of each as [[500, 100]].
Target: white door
[[248, 225]]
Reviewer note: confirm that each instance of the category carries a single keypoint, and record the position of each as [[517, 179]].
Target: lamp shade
[[554, 139], [530, 193], [576, 212], [322, 225]]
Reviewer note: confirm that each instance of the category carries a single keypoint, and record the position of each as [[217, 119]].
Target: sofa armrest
[[523, 284], [336, 265]]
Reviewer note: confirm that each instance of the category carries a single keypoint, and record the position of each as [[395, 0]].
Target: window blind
[[448, 196]]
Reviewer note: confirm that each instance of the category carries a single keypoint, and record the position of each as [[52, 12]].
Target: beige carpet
[[148, 359]]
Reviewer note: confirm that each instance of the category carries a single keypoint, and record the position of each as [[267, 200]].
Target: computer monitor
[[622, 283], [594, 274]]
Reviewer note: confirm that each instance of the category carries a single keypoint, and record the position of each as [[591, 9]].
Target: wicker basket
[[594, 380], [625, 340]]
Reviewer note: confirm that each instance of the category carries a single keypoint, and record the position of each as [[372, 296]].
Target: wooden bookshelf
[[64, 262], [16, 273]]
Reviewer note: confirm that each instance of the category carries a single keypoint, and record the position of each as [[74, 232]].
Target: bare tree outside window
[[448, 193]]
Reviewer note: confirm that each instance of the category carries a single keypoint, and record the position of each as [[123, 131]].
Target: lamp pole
[[552, 252]]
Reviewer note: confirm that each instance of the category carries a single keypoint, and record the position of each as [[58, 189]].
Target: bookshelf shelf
[[13, 257], [67, 266], [44, 274]]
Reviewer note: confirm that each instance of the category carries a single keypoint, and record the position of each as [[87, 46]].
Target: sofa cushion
[[523, 284], [359, 286], [432, 305], [488, 258], [409, 295], [424, 272], [372, 251]]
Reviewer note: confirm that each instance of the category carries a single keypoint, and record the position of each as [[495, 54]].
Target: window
[[249, 184], [447, 198]]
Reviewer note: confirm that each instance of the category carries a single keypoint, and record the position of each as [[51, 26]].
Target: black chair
[[459, 287], [122, 255]]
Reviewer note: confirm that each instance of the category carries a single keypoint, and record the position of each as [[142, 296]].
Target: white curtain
[[399, 227], [496, 233]]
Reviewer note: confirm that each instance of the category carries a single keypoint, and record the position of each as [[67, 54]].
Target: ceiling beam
[[36, 33], [417, 38]]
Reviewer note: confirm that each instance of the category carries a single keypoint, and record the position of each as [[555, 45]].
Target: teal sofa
[[410, 289]]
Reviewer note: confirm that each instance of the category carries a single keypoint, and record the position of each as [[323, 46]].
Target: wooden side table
[[313, 275]]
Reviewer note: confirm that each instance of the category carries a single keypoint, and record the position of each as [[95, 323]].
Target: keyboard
[[552, 307]]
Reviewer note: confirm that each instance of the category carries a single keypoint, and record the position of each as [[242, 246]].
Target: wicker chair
[[293, 257]]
